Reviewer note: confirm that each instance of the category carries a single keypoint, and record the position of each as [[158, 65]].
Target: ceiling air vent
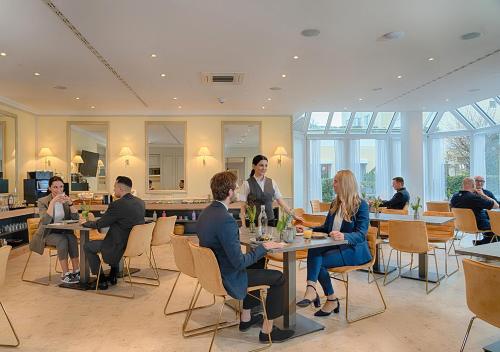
[[222, 78]]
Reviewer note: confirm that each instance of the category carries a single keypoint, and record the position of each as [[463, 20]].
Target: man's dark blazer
[[218, 231], [121, 216]]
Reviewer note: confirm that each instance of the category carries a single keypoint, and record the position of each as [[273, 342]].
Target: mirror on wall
[[165, 156], [8, 163], [241, 143], [88, 161]]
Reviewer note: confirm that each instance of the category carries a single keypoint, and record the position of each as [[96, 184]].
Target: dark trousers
[[91, 249], [276, 282]]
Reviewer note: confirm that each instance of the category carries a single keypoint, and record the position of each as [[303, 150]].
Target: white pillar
[[412, 156]]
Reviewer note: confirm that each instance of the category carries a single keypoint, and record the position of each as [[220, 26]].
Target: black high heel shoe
[[306, 302], [322, 313]]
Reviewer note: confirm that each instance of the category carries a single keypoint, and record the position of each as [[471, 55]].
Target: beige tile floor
[[54, 319]]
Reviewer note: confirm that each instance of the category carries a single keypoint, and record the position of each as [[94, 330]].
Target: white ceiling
[[257, 38]]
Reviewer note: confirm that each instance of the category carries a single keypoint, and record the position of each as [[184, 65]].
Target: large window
[[367, 160], [492, 158], [457, 162], [327, 164]]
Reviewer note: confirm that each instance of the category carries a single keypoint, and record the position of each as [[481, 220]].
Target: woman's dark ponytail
[[257, 159]]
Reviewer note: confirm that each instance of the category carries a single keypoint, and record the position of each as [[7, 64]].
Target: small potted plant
[[415, 206], [251, 212], [283, 222], [377, 202], [85, 211]]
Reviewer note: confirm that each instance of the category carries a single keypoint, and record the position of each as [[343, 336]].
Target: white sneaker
[[69, 278]]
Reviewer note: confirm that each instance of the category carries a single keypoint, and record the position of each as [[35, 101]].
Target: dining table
[[291, 319]]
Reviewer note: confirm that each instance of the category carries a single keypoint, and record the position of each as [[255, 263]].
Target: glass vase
[[251, 227]]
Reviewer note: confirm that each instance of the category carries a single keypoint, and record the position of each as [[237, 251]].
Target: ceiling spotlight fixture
[[360, 99], [447, 100], [3, 54], [275, 88], [92, 107], [283, 75], [175, 98], [179, 107], [431, 59], [295, 57], [310, 32], [77, 98], [36, 74], [400, 76], [263, 107], [269, 99], [391, 36], [163, 75], [470, 35], [154, 55]]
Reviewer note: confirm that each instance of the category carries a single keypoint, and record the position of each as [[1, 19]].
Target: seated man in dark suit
[[479, 182], [121, 215], [477, 201], [218, 231], [400, 198]]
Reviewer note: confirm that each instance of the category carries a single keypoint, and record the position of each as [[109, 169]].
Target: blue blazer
[[218, 231], [354, 233]]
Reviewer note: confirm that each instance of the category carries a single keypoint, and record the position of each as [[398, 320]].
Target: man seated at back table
[[121, 215], [479, 182], [400, 198], [477, 201]]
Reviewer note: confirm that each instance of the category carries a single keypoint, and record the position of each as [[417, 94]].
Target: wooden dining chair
[[465, 222], [311, 220], [371, 237], [4, 256], [443, 234], [208, 273], [138, 244], [495, 224], [318, 206], [185, 263], [33, 224], [482, 281], [438, 206], [410, 237]]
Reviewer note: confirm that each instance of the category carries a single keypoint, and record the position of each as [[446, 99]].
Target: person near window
[[400, 198], [479, 182], [53, 208], [476, 200], [348, 219], [218, 230]]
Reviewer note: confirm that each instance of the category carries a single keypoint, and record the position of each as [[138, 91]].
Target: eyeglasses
[[479, 181]]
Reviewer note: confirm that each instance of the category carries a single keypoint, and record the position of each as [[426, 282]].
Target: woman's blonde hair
[[347, 196]]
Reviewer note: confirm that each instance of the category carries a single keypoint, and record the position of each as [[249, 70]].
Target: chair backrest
[[163, 230], [139, 240], [494, 221], [298, 211], [4, 257], [465, 220], [438, 206], [313, 220], [182, 255], [394, 211], [446, 230], [407, 205], [481, 282], [315, 206], [371, 238], [207, 270], [324, 206], [408, 236], [32, 227]]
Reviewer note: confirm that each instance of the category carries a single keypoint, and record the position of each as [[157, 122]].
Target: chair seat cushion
[[258, 287], [278, 257], [347, 269]]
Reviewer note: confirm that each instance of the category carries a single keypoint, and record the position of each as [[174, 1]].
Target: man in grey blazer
[[121, 216]]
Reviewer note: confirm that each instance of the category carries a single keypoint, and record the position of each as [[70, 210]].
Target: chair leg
[[33, 281], [427, 273], [12, 328], [467, 333], [447, 254], [127, 267], [155, 279], [387, 266], [190, 301], [353, 320], [152, 255], [262, 299]]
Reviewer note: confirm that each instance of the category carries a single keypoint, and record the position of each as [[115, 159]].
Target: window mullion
[[349, 124], [328, 123], [483, 114], [435, 122], [372, 122], [462, 119]]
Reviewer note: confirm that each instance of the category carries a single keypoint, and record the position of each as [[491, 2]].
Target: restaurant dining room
[[235, 175]]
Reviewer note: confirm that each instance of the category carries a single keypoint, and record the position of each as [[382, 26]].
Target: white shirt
[[245, 189], [58, 212], [337, 221]]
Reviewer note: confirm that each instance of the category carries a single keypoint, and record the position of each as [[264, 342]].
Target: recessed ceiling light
[[283, 75], [92, 107], [77, 98], [3, 54], [295, 57], [360, 99], [154, 55], [447, 100], [275, 88], [345, 108], [179, 107], [263, 107], [470, 35], [431, 59], [36, 74], [269, 99], [60, 87], [400, 76], [391, 36], [175, 98], [310, 32], [163, 75]]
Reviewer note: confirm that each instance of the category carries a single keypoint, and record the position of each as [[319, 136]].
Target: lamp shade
[[280, 151], [100, 163], [77, 159], [44, 152], [204, 151], [125, 151]]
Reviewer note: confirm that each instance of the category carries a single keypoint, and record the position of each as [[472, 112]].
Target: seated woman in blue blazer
[[348, 220]]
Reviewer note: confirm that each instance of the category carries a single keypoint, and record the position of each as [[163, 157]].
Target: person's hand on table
[[337, 235], [82, 220], [272, 245]]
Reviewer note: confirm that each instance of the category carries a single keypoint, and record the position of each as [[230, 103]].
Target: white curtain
[[438, 181], [338, 146], [354, 163], [396, 157], [478, 159], [382, 178], [314, 180], [299, 167]]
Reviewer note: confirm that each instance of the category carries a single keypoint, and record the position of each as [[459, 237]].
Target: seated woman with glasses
[[348, 219]]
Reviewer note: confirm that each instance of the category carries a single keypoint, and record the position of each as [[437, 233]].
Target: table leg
[[378, 267], [84, 264], [420, 273]]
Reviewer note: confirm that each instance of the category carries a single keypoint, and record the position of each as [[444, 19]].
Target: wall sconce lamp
[[46, 153], [203, 153], [77, 160], [126, 152], [280, 151], [100, 164]]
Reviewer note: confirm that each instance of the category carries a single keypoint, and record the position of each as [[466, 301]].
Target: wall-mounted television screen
[[89, 166]]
